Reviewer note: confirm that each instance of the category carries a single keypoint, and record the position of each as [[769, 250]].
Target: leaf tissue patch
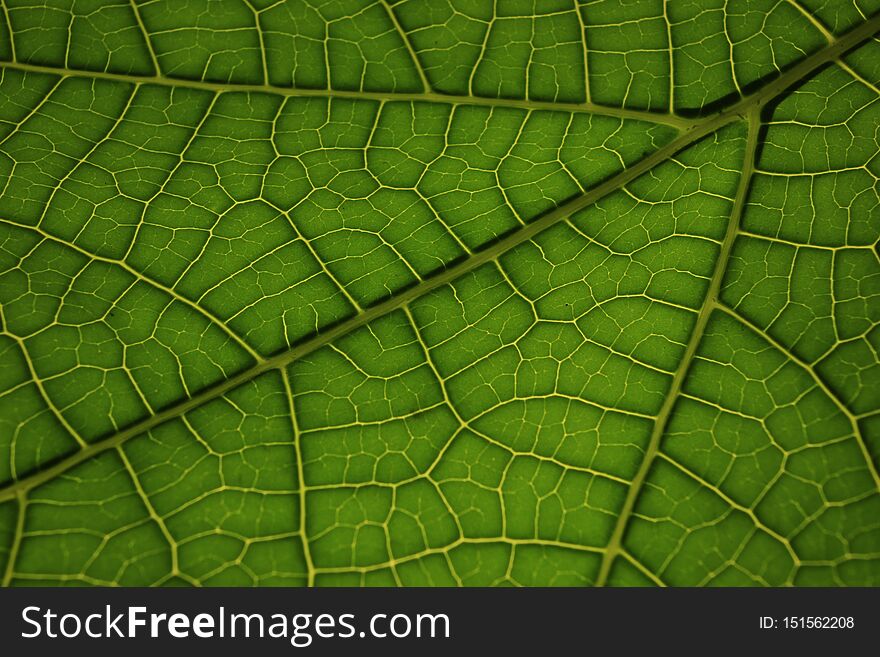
[[439, 292]]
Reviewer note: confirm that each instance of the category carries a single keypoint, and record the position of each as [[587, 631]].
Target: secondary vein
[[615, 544], [673, 120]]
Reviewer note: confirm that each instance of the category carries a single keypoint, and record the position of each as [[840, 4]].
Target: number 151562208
[[808, 622]]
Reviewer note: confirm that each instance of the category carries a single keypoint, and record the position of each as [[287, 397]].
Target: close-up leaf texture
[[440, 292]]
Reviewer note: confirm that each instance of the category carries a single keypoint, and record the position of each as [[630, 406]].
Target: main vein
[[695, 131]]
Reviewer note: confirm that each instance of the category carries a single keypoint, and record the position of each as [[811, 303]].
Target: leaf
[[436, 292]]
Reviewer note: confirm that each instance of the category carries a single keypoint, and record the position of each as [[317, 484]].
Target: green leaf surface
[[439, 292]]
